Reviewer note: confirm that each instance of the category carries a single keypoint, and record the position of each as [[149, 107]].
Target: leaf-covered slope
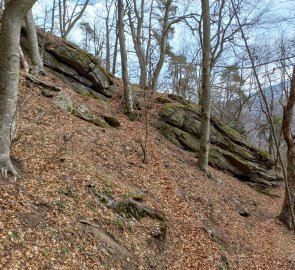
[[88, 202]]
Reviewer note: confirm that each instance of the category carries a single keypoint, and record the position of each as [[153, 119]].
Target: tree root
[[8, 168]]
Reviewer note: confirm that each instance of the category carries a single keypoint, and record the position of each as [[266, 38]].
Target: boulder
[[229, 151]]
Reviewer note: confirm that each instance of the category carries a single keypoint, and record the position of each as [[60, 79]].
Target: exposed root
[[8, 168]]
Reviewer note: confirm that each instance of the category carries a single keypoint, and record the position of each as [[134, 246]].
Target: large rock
[[229, 151], [68, 59]]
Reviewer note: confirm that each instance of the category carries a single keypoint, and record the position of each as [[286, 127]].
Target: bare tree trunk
[[14, 13], [148, 48], [115, 53], [205, 95], [108, 6], [127, 91], [287, 213], [163, 45], [114, 65], [52, 17], [108, 53], [36, 60]]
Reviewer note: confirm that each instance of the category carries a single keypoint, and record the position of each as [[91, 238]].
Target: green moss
[[90, 117], [170, 133], [90, 94], [188, 142], [163, 99], [173, 114]]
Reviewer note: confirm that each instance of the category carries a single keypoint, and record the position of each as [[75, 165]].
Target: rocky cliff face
[[72, 64], [230, 151]]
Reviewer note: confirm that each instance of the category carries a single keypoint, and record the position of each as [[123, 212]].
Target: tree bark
[[52, 17], [163, 45], [14, 13], [36, 60], [127, 91], [287, 213], [205, 95]]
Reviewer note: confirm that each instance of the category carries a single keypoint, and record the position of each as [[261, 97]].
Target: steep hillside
[[87, 201]]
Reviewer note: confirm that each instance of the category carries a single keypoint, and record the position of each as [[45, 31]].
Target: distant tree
[[88, 34], [230, 94], [13, 15], [181, 73]]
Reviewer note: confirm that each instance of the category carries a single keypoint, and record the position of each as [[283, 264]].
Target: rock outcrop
[[229, 151], [71, 64], [81, 111]]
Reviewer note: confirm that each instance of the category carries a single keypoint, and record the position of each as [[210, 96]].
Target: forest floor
[[55, 217]]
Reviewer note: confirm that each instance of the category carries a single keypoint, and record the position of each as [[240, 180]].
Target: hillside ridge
[[87, 201]]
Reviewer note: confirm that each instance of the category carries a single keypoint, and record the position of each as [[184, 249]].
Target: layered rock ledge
[[229, 151]]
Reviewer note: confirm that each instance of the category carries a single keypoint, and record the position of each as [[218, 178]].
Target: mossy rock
[[173, 114], [70, 60], [163, 99], [65, 103], [229, 151], [170, 133], [84, 113]]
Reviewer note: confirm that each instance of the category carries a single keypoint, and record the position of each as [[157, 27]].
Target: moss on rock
[[229, 150]]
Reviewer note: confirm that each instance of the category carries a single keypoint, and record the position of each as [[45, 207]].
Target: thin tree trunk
[[36, 60], [127, 90], [205, 95], [14, 13], [108, 53], [114, 67], [52, 17], [163, 46], [148, 54], [136, 33]]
